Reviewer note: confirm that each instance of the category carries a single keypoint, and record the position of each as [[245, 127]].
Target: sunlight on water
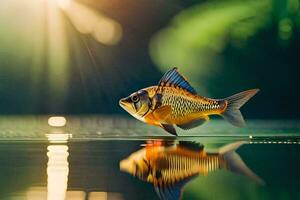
[[58, 137], [57, 172], [71, 160], [90, 170], [58, 166], [57, 133], [118, 128], [57, 121]]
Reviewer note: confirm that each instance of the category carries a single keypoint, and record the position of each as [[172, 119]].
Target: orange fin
[[162, 112]]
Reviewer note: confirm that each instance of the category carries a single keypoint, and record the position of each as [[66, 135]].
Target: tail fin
[[232, 113], [235, 164]]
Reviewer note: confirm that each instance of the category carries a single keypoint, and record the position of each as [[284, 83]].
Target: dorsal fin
[[174, 78]]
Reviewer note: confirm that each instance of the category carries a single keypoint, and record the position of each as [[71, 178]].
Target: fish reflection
[[169, 166]]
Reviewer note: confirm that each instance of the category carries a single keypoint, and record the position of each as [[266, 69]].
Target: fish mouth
[[123, 102], [126, 166], [127, 105]]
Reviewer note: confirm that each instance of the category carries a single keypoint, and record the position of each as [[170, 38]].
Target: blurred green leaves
[[196, 38], [285, 28]]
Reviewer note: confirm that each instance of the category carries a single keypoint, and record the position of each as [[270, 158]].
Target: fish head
[[137, 165], [137, 104]]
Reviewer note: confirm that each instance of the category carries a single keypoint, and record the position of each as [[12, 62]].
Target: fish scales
[[180, 167], [183, 103]]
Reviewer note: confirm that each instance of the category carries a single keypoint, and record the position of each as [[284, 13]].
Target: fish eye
[[135, 98]]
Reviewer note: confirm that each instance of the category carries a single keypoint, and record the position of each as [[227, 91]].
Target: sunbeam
[[41, 31], [88, 21]]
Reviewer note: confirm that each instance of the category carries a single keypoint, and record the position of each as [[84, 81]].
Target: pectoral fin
[[162, 112], [169, 128]]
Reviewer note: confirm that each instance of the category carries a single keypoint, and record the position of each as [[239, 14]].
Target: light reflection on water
[[57, 174], [32, 128], [68, 168], [90, 170]]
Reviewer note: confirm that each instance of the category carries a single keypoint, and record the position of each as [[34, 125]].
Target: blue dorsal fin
[[174, 78]]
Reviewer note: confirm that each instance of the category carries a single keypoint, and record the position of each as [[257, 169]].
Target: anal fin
[[193, 146], [169, 128], [172, 192], [192, 124]]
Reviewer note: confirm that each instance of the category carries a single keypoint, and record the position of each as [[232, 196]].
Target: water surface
[[82, 159]]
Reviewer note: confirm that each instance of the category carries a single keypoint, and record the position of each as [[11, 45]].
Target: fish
[[169, 166], [174, 102]]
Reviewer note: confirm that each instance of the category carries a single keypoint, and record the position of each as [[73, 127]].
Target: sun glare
[[63, 4], [88, 21], [36, 30]]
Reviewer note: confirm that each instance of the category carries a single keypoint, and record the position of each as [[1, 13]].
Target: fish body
[[185, 106], [174, 102], [170, 166]]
